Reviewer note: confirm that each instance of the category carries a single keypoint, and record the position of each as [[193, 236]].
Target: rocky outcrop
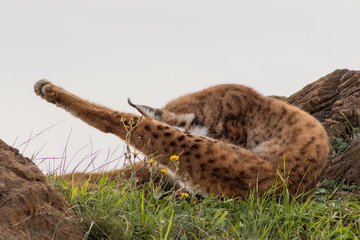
[[30, 207], [345, 167], [335, 101]]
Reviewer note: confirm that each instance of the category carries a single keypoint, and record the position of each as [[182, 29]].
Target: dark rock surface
[[334, 100], [346, 166]]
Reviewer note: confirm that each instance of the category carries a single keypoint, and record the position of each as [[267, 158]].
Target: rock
[[30, 207], [334, 100], [345, 166]]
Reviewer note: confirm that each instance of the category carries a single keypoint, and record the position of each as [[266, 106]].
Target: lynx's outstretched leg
[[215, 166]]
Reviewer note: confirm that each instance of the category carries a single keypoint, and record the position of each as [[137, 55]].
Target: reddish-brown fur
[[250, 138]]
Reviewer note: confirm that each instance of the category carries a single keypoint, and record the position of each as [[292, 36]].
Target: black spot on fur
[[182, 137], [167, 134], [238, 179], [203, 166], [195, 122], [211, 161], [262, 180], [215, 175], [172, 143], [195, 146], [159, 127], [187, 153], [182, 124], [183, 146], [155, 135], [226, 179], [283, 113], [158, 114], [312, 160], [198, 140], [198, 156], [292, 119], [229, 105], [304, 148], [210, 151], [147, 128]]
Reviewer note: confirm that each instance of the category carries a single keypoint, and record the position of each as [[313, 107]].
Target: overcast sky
[[153, 52]]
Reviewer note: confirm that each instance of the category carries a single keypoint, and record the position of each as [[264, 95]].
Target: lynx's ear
[[147, 111]]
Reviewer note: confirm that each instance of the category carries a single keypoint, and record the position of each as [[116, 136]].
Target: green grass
[[119, 210], [122, 211]]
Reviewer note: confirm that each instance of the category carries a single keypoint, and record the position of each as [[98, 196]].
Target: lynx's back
[[293, 141]]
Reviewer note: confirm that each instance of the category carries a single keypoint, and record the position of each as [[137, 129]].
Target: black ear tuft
[[130, 103]]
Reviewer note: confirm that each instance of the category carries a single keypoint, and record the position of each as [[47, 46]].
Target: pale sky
[[154, 51]]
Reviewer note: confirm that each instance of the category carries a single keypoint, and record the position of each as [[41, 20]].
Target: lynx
[[230, 139]]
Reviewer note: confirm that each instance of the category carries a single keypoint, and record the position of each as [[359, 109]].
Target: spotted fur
[[230, 139]]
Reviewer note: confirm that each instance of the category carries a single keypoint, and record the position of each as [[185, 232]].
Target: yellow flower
[[184, 194], [174, 158], [151, 161], [163, 171], [135, 153]]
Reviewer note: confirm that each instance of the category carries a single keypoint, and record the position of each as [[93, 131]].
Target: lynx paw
[[43, 89]]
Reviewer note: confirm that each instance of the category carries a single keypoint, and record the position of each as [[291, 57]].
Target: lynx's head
[[184, 122]]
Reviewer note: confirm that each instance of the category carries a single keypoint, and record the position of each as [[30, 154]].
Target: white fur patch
[[178, 128], [259, 148], [200, 130], [150, 113], [187, 118]]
